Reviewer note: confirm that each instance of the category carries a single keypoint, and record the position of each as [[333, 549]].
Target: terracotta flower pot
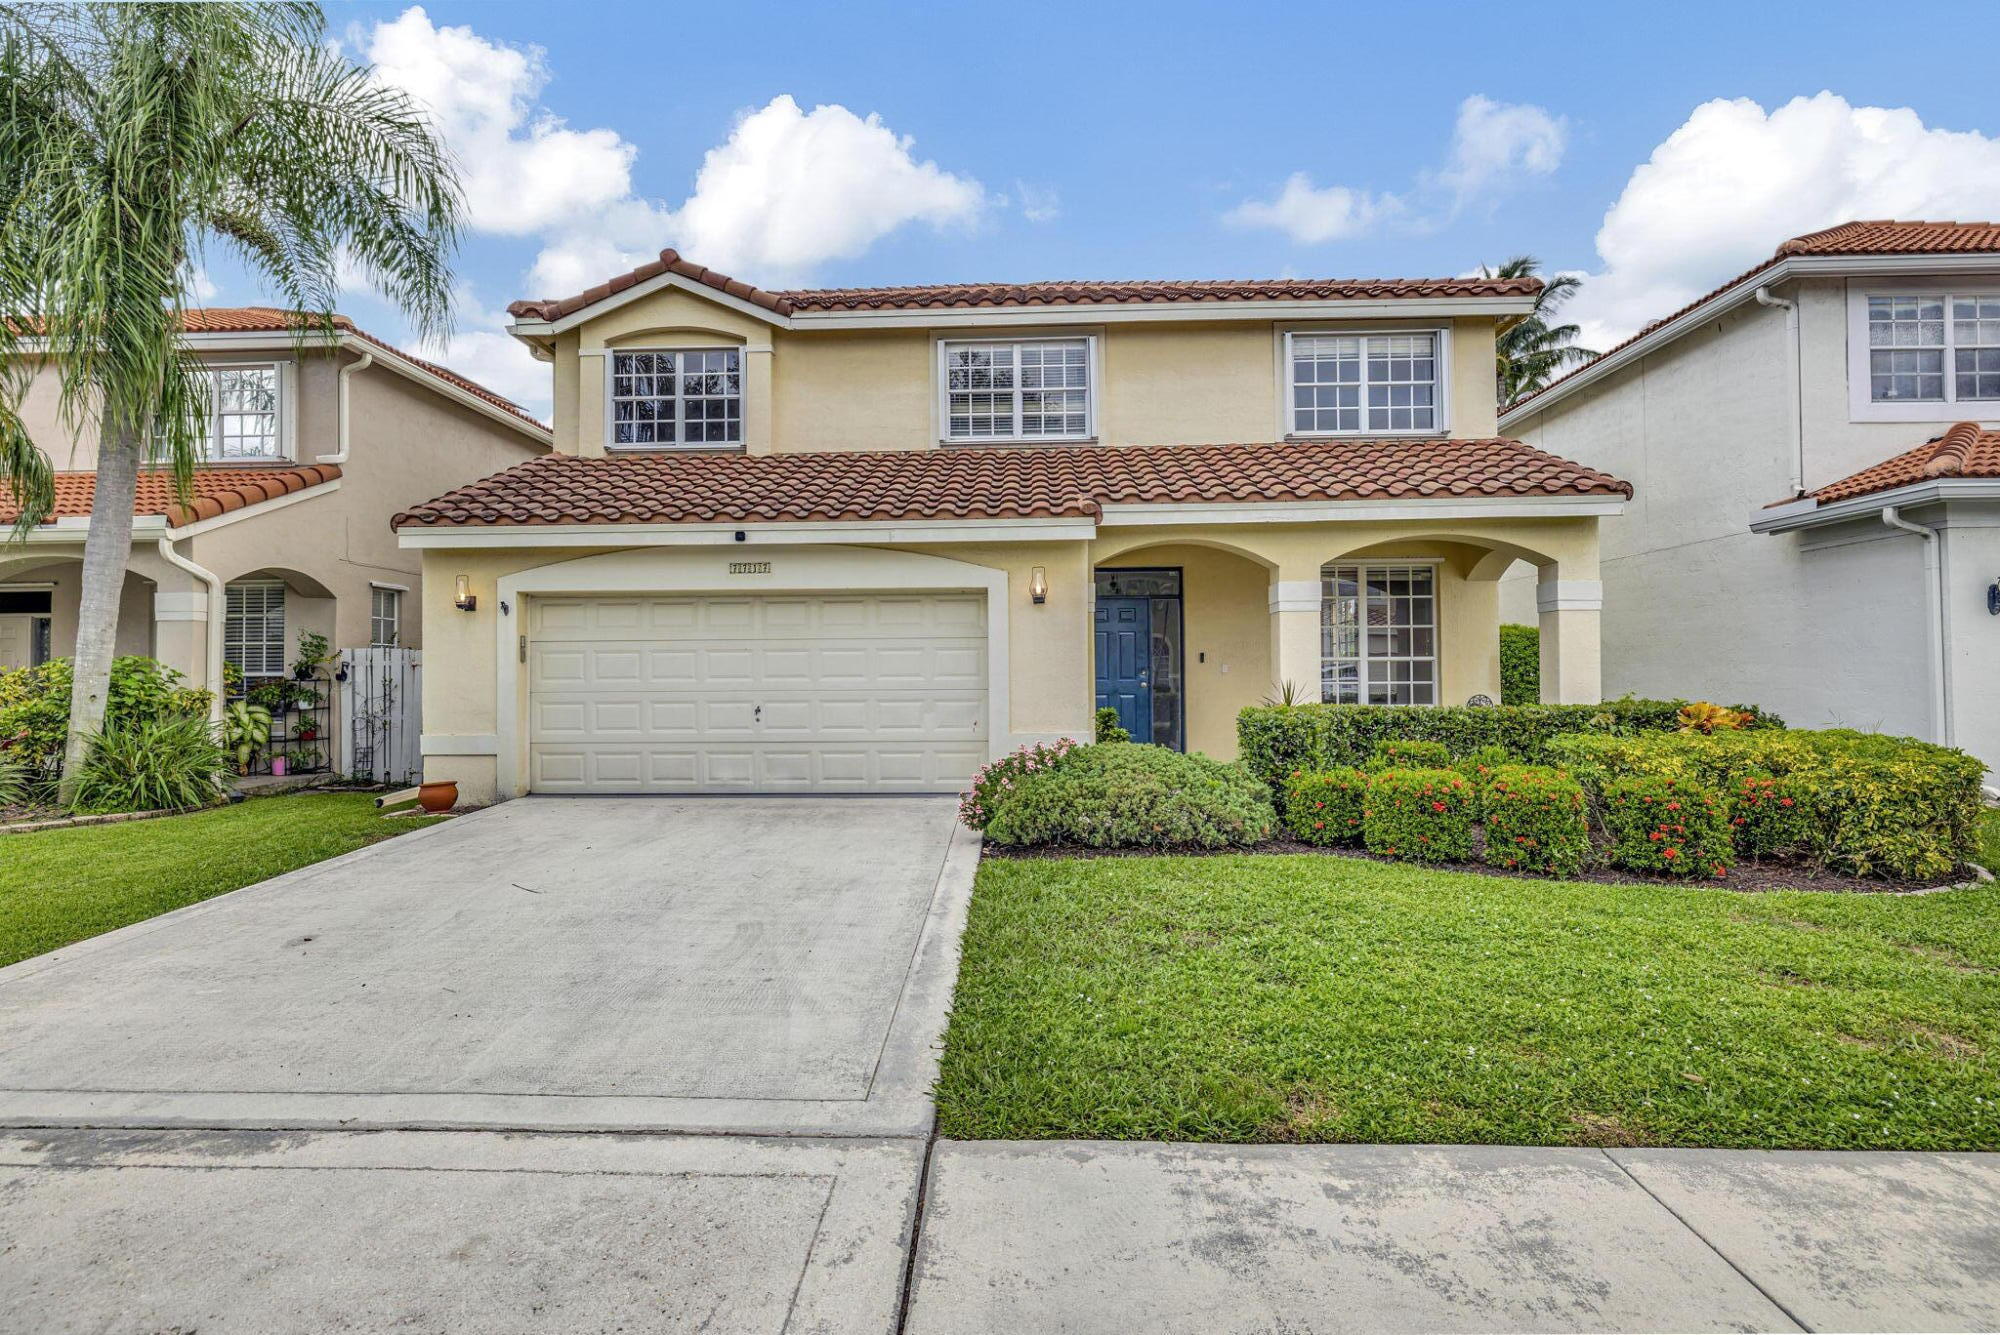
[[436, 797]]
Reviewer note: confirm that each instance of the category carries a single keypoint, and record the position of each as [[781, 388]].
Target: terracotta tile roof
[[215, 491], [1880, 236], [1966, 450], [997, 483], [1064, 293], [271, 319]]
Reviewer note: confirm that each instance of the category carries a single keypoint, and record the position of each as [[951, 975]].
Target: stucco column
[[757, 404], [180, 631], [1295, 632], [1571, 662]]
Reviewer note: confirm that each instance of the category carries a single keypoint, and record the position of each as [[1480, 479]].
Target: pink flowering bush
[[997, 779]]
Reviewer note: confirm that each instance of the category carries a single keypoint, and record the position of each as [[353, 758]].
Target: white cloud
[[1493, 145], [1495, 141], [497, 360], [1039, 203], [786, 192], [1721, 192], [1310, 214], [523, 168]]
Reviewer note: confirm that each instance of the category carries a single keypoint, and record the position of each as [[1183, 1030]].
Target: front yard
[[64, 885], [1315, 998]]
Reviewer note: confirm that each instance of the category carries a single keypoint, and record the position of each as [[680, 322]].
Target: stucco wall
[[1826, 627], [813, 390]]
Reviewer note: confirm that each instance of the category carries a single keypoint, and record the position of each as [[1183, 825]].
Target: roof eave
[[1777, 270], [1807, 513]]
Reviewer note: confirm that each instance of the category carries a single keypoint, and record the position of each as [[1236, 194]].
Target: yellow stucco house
[[867, 539]]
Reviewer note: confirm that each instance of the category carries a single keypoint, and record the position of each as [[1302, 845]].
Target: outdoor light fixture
[[461, 591], [1038, 585]]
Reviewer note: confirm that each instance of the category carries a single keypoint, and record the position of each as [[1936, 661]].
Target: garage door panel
[[675, 693]]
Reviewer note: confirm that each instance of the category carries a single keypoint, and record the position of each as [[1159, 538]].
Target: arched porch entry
[[38, 609]]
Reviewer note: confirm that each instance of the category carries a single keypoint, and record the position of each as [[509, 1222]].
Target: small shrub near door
[[1324, 807], [998, 778], [1109, 729], [1537, 819], [1134, 795], [1667, 827], [1520, 665], [1419, 815]]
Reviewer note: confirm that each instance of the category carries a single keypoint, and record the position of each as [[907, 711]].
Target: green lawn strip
[[1252, 998], [64, 885], [1989, 841]]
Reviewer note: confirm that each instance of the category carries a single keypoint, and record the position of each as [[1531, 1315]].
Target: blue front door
[[1124, 660]]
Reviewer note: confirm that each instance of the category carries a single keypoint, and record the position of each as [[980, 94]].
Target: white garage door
[[675, 694]]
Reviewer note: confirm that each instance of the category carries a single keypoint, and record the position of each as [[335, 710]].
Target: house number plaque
[[749, 567]]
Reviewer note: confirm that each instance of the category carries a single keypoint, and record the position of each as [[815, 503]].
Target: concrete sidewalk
[[1068, 1236]]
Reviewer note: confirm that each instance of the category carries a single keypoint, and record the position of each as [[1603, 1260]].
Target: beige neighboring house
[[1817, 524], [311, 450], [867, 539]]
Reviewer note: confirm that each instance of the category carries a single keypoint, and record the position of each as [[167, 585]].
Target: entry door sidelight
[[1125, 661]]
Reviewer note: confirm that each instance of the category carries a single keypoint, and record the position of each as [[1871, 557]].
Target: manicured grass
[[1989, 841], [1248, 998], [65, 885]]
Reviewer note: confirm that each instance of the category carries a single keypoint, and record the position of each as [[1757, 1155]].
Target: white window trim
[[941, 400], [1435, 566], [397, 592], [1287, 417], [284, 423], [1861, 407], [613, 446]]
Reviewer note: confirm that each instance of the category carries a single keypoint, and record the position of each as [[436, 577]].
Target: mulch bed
[[1744, 877]]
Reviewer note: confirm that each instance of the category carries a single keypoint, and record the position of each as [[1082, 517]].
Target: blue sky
[[1068, 140]]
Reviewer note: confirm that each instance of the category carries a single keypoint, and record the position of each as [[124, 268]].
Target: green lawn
[[1989, 841], [1251, 998], [65, 885]]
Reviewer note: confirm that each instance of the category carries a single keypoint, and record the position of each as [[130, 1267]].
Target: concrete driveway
[[770, 965]]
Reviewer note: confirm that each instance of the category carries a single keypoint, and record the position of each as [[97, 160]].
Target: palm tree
[[133, 137], [1530, 352]]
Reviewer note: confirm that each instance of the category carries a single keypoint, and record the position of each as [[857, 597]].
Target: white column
[[1571, 664], [180, 635], [1295, 638]]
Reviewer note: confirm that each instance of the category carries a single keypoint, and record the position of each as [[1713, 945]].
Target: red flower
[[1673, 806], [1670, 853], [1437, 806], [1784, 801]]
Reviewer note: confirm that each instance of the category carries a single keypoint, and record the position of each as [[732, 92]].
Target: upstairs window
[[1366, 384], [239, 421], [1933, 348], [681, 399], [1026, 390]]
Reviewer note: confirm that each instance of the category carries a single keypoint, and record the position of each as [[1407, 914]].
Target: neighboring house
[[869, 539], [311, 448], [1817, 525]]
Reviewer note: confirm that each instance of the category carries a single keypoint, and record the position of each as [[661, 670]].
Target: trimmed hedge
[[1667, 827], [1133, 795], [1325, 806], [1275, 740], [1876, 805], [1772, 817], [1419, 815], [1537, 819], [1397, 753], [1520, 665]]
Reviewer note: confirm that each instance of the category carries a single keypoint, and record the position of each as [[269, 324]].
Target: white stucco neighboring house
[[1816, 525]]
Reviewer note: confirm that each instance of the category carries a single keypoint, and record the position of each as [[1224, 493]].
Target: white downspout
[[1933, 617], [1793, 395], [341, 413], [218, 606]]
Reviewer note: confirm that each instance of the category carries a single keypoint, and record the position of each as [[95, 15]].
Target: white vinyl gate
[[381, 711]]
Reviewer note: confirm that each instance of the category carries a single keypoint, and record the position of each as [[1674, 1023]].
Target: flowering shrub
[[1324, 806], [1667, 826], [1402, 753], [999, 777], [1134, 795], [1420, 815], [1536, 820], [1479, 765], [1771, 817]]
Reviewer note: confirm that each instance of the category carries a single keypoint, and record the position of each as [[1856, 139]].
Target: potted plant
[[314, 651], [246, 730]]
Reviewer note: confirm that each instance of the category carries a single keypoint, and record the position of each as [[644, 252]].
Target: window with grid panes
[[253, 629], [239, 414], [385, 617], [1378, 635], [687, 397], [1036, 389], [1364, 383], [1933, 348]]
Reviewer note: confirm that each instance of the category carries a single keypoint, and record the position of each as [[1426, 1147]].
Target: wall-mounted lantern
[[1038, 585], [461, 594]]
